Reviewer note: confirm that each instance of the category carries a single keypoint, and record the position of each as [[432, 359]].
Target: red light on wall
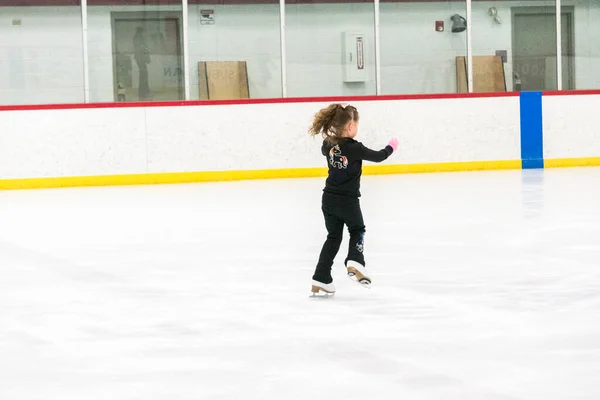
[[439, 26]]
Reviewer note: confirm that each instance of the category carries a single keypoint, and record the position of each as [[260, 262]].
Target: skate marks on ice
[[166, 307], [440, 348]]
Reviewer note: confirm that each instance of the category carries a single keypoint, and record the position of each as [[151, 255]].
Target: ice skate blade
[[365, 283], [317, 292], [356, 274], [321, 296]]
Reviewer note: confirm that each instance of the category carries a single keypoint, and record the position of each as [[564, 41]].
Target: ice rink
[[486, 286]]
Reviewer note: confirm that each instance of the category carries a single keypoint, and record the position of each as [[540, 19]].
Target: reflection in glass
[[148, 57], [423, 47], [135, 52], [235, 50], [330, 49], [41, 53]]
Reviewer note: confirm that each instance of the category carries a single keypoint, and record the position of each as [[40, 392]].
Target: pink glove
[[393, 143]]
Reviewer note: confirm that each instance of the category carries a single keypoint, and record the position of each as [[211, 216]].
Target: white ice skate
[[358, 274], [322, 290]]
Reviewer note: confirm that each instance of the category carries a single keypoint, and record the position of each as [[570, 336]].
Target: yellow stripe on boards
[[222, 176], [441, 167], [158, 178], [572, 162]]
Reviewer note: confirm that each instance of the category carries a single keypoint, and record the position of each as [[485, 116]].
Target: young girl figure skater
[[338, 124]]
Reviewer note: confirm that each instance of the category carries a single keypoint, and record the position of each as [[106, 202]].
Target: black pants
[[339, 211]]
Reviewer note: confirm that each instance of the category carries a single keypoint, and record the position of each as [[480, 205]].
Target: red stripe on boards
[[329, 99]]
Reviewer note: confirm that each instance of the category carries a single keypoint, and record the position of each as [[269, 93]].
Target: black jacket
[[345, 165]]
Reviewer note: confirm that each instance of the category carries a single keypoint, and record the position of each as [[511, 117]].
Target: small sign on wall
[[360, 55], [207, 17]]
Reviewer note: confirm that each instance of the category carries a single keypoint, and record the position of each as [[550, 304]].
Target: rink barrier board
[[223, 176], [531, 145]]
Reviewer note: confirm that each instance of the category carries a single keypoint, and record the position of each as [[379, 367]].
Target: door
[[534, 49], [148, 63]]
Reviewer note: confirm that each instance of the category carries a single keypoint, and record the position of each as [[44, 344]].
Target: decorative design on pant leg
[[360, 245]]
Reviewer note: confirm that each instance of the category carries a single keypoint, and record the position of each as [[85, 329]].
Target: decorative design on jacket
[[336, 159]]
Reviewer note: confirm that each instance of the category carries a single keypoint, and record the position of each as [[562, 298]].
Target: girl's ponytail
[[331, 120]]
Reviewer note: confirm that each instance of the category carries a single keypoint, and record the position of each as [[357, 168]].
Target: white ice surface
[[486, 286]]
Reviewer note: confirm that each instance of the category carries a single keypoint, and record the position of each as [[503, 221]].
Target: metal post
[[186, 56], [558, 45], [283, 49], [86, 65], [377, 51], [469, 47]]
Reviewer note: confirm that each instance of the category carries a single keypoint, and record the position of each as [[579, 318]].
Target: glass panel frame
[[235, 50], [41, 53], [514, 46], [424, 47], [326, 59], [135, 51], [567, 65]]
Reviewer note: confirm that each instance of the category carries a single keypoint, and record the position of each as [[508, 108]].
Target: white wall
[[41, 60], [100, 54], [83, 142], [314, 48], [489, 36], [587, 50], [414, 57], [240, 33]]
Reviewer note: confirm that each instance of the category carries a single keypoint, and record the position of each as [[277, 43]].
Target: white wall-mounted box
[[353, 56]]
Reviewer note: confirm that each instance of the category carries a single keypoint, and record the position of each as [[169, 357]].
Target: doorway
[[147, 56], [534, 48]]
